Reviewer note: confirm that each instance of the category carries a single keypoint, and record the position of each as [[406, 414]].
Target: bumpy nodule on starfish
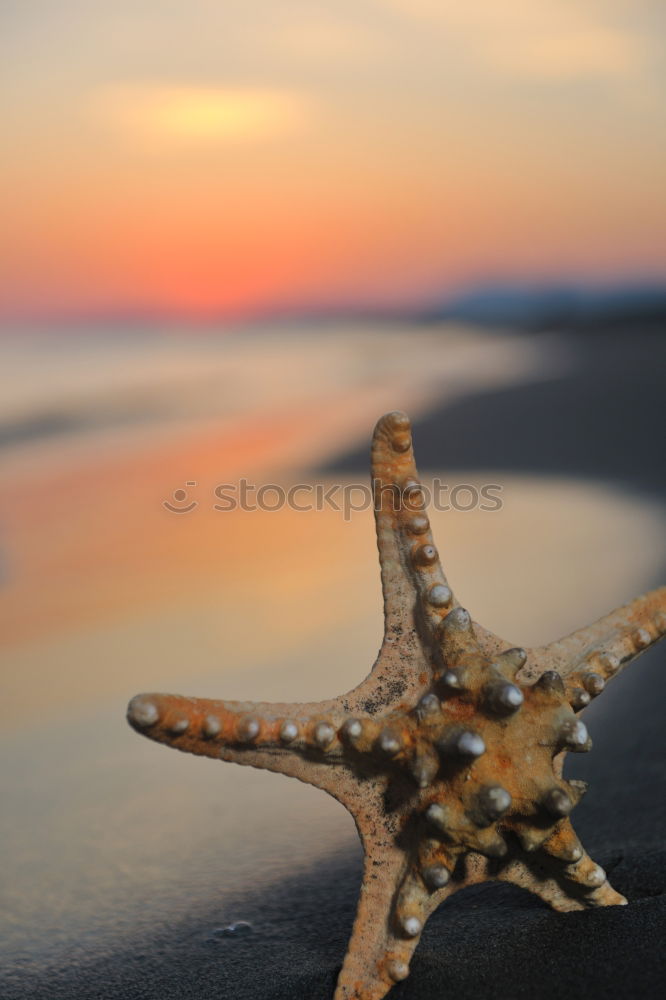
[[448, 756]]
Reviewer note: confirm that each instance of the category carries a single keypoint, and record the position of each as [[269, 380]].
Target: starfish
[[448, 755]]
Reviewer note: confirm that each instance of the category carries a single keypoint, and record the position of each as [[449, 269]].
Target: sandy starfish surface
[[448, 755]]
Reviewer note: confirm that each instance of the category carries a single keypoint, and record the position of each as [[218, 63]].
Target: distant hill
[[548, 306]]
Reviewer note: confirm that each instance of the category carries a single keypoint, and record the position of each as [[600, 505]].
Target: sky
[[201, 158]]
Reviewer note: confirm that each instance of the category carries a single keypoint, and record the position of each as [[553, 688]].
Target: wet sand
[[123, 859]]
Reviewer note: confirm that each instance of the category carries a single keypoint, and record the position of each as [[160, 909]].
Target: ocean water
[[108, 385]]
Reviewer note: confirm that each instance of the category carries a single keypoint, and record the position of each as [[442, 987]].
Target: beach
[[123, 862]]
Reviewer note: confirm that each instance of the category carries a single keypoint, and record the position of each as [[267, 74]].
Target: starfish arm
[[563, 892], [392, 909], [560, 873], [563, 874], [416, 593], [417, 596], [410, 565], [369, 968], [589, 657], [301, 740]]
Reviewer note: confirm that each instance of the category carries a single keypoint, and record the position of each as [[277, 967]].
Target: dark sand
[[603, 421]]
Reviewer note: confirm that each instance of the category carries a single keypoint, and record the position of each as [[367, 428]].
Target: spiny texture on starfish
[[448, 756]]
